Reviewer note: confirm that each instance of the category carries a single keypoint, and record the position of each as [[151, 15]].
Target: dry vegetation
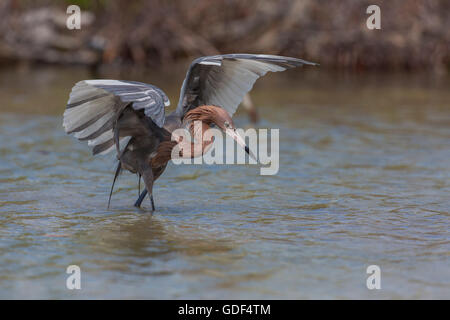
[[414, 35]]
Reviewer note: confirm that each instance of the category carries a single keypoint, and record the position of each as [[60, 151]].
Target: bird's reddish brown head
[[210, 114]]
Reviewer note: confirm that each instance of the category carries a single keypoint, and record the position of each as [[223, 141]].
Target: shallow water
[[364, 180]]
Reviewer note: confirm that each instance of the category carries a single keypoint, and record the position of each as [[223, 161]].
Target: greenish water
[[364, 179]]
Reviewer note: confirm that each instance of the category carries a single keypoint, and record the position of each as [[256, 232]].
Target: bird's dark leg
[[140, 199], [139, 184], [119, 166], [153, 203], [147, 175]]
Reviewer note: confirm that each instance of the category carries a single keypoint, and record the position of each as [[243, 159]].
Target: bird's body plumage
[[129, 116]]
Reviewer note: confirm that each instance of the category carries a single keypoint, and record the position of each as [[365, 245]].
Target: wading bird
[[129, 117]]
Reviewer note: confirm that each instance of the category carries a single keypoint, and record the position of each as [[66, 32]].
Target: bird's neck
[[199, 142], [186, 147]]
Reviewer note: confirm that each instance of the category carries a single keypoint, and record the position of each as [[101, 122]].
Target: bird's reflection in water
[[157, 246], [148, 244]]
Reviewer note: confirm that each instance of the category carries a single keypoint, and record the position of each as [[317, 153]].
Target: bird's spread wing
[[95, 105], [223, 80]]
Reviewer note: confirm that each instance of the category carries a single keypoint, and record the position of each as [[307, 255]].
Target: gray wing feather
[[142, 95], [223, 80], [94, 106]]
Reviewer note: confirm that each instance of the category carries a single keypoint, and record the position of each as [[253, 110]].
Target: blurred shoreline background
[[143, 34]]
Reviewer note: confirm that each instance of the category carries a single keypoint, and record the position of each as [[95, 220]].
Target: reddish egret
[[128, 116]]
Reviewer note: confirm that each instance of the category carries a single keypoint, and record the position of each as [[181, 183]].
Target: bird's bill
[[240, 141]]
